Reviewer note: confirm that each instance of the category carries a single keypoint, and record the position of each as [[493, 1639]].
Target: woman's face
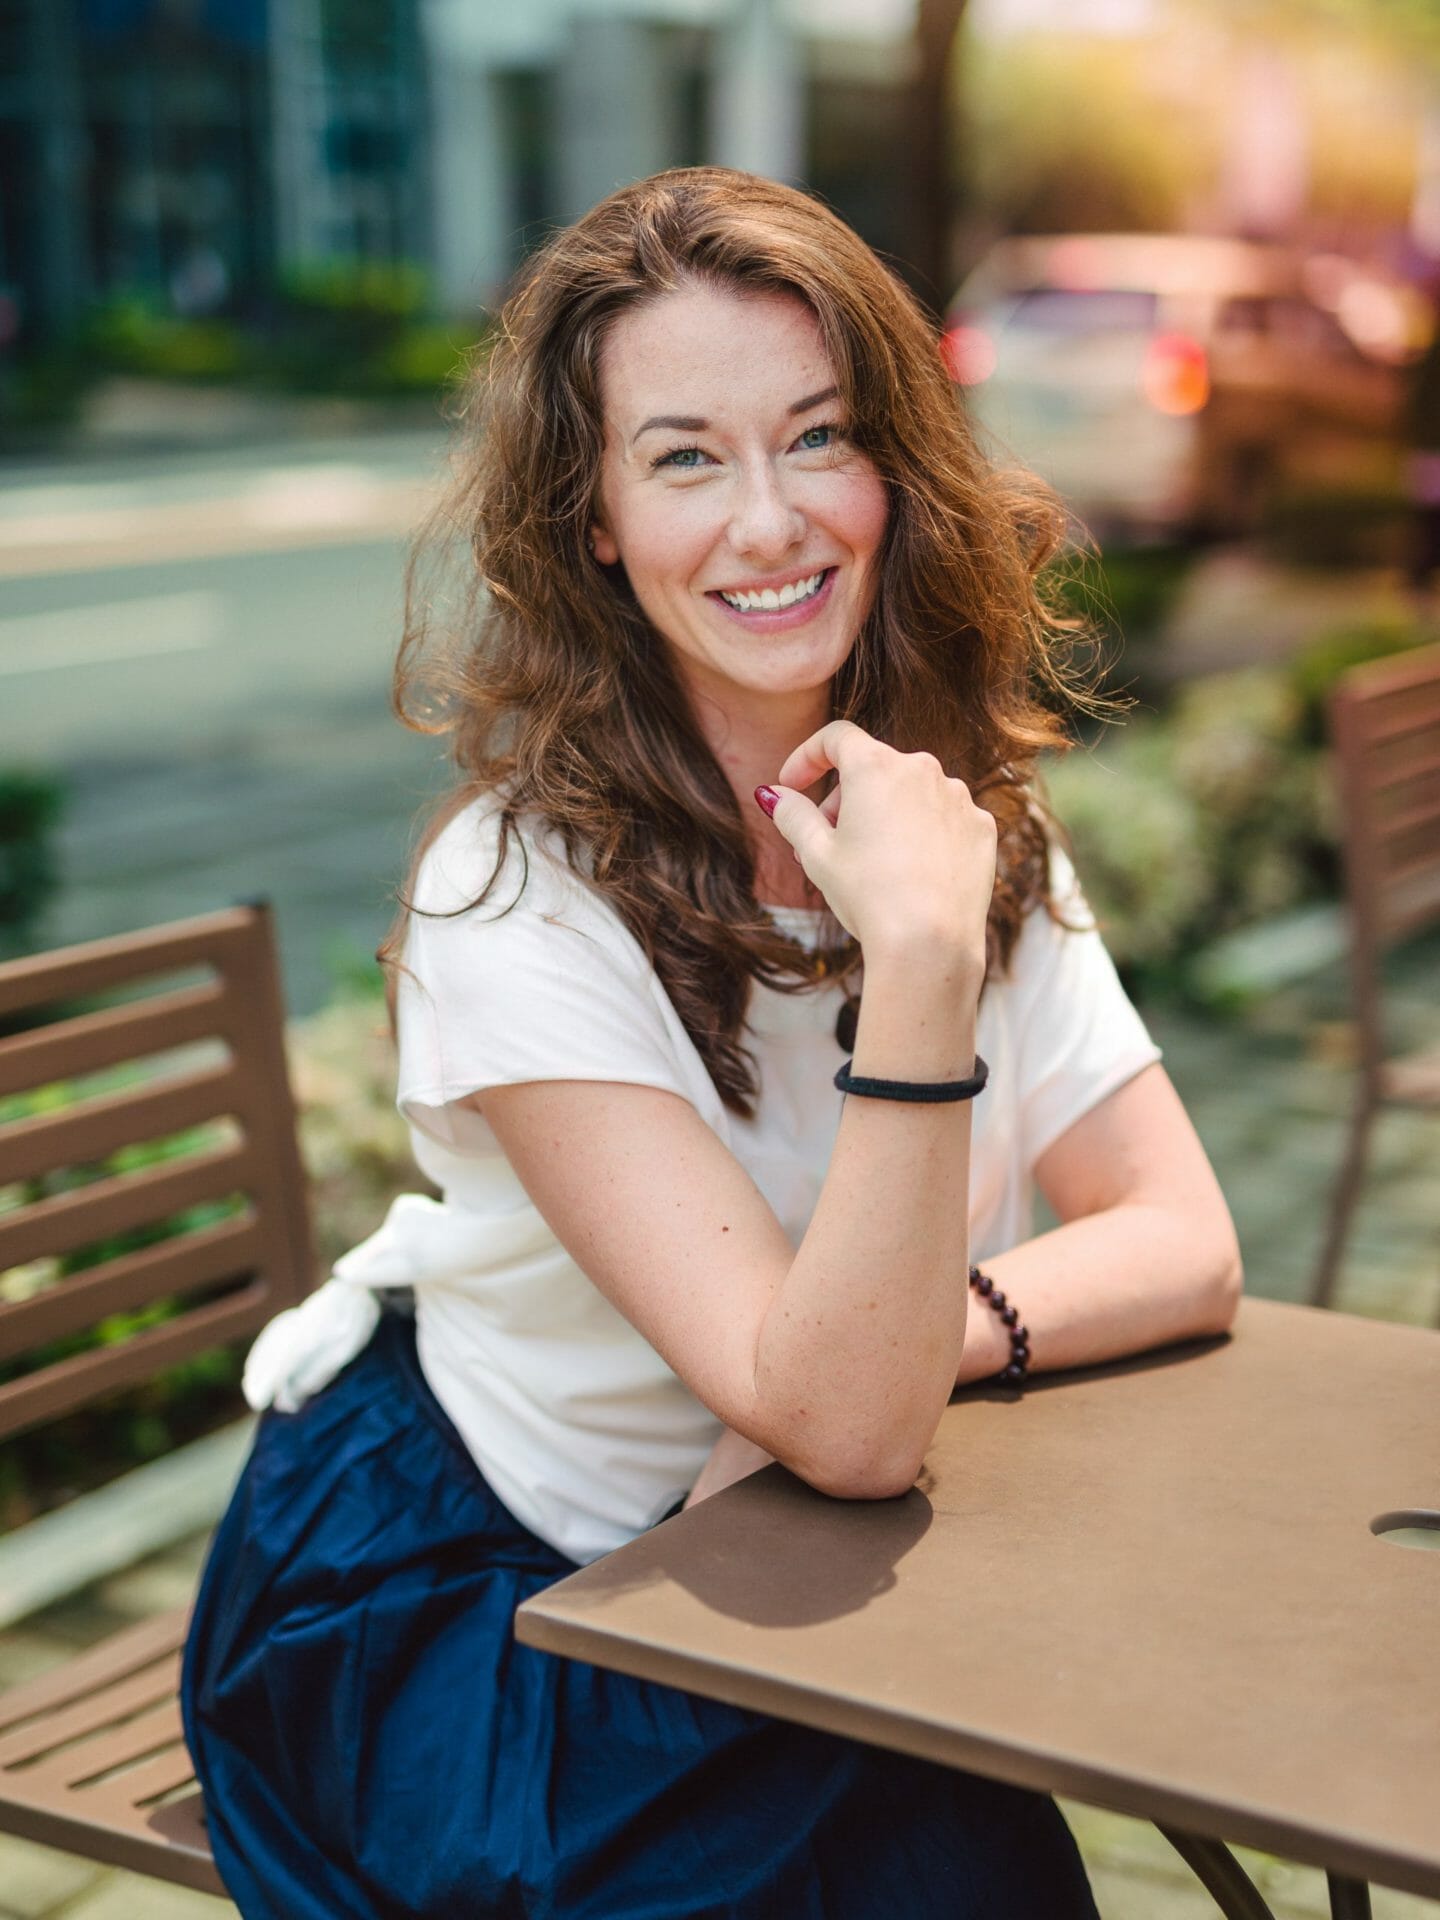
[[747, 524]]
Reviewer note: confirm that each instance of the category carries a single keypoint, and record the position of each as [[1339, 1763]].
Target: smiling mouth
[[776, 599]]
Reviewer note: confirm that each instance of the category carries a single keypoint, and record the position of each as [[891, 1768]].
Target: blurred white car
[[1166, 383]]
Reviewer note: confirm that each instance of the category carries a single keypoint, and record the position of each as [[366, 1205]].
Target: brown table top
[[1151, 1585]]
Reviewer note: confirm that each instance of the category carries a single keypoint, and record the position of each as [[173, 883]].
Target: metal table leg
[[1236, 1895], [1226, 1881], [1349, 1899]]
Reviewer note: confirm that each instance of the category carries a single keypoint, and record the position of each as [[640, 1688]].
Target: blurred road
[[201, 647]]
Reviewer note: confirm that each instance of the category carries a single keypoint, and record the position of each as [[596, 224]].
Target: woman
[[749, 702]]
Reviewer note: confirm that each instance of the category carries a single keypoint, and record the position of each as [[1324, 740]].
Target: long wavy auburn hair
[[559, 696]]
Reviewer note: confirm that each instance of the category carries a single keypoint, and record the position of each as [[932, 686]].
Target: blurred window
[[1246, 313], [1091, 310], [1296, 323]]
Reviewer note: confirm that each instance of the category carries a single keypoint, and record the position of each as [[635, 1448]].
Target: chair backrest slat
[[1408, 846], [94, 1129], [125, 1742], [1399, 708], [150, 1644], [1385, 725], [67, 1384], [1409, 763], [225, 1253], [144, 1784], [93, 1041], [123, 1698], [124, 1203], [174, 1176]]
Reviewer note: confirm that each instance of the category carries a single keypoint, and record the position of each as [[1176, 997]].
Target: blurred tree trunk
[[931, 183]]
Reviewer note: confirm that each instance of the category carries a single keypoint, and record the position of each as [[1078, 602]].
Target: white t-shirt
[[578, 1424]]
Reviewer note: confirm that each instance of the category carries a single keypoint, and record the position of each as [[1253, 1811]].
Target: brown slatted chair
[[1385, 726], [177, 1035]]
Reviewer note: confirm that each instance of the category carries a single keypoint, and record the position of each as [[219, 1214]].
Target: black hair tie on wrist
[[929, 1092], [1014, 1374]]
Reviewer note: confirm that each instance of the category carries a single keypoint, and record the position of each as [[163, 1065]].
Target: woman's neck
[[751, 745]]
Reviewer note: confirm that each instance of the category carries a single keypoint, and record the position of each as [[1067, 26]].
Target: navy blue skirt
[[374, 1744]]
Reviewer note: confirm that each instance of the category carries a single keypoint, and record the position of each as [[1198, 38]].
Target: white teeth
[[767, 600]]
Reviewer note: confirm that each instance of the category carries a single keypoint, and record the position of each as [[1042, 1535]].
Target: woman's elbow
[[861, 1474], [1224, 1281]]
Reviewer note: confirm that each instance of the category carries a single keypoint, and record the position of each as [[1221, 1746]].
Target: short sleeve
[[1078, 1034], [540, 981]]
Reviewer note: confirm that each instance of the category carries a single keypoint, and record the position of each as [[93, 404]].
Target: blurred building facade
[[193, 152]]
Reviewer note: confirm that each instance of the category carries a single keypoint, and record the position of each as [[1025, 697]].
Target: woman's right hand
[[902, 853]]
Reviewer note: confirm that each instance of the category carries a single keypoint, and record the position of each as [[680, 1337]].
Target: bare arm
[[837, 1357], [1145, 1253]]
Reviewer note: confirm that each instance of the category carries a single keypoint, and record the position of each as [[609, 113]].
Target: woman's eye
[[817, 439], [685, 458]]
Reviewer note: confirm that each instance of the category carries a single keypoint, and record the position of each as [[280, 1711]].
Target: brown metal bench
[[176, 1034], [1385, 725]]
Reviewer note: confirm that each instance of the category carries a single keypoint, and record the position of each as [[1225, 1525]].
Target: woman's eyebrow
[[692, 422], [815, 399]]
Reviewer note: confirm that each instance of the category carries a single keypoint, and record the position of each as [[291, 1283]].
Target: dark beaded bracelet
[[1014, 1374]]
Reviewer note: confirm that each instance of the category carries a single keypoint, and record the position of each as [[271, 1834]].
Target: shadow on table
[[746, 1559]]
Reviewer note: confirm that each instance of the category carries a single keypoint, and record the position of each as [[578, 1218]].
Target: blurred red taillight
[[969, 354], [1175, 376]]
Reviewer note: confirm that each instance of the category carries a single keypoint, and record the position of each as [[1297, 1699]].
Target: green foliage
[[47, 388], [1314, 673], [355, 973], [1140, 846], [1216, 814], [341, 327], [134, 335], [1126, 593], [355, 1146], [30, 808], [359, 326]]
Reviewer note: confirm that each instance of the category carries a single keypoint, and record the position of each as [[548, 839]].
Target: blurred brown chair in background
[[176, 1036], [1385, 726]]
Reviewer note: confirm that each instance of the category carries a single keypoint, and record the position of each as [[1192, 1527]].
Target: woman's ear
[[602, 546]]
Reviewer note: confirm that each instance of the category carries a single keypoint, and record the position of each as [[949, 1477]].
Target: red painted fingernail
[[767, 799]]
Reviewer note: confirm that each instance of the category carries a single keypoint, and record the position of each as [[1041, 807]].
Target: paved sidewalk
[[1269, 1095]]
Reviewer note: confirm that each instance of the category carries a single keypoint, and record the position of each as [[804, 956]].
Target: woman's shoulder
[[478, 859], [484, 869]]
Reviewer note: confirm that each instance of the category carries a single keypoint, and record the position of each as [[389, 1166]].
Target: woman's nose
[[765, 524]]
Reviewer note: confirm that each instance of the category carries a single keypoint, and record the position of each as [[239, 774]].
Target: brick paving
[[1269, 1093]]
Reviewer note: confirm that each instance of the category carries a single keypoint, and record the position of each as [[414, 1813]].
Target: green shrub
[[361, 327], [424, 359], [1216, 813], [1126, 590], [132, 335], [30, 808], [1314, 672], [1124, 596], [1146, 862], [46, 389]]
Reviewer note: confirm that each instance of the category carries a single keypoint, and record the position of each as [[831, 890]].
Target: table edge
[[1014, 1763]]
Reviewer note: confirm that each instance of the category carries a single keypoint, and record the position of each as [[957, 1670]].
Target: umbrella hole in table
[[1409, 1527]]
